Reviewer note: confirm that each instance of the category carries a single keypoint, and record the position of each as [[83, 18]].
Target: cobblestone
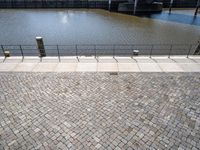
[[99, 111]]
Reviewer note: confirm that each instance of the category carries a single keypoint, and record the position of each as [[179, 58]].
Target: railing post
[[170, 51], [2, 48], [190, 48], [151, 50], [132, 48], [95, 51], [77, 52], [3, 52], [22, 53], [113, 51], [58, 52]]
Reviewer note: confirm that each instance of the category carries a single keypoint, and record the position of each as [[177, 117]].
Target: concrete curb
[[102, 64]]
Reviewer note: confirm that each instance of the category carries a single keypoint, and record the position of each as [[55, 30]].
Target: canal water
[[93, 26]]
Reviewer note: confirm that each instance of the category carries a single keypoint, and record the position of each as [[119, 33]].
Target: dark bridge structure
[[130, 6], [136, 6], [196, 10], [150, 6], [143, 6]]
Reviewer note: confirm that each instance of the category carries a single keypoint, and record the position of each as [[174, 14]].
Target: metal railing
[[98, 50]]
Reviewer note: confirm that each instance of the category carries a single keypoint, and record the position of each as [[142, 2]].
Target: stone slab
[[102, 64], [86, 67], [66, 67], [190, 67], [7, 66], [107, 67], [25, 67], [149, 67], [182, 60], [45, 67], [170, 67], [128, 67], [13, 60]]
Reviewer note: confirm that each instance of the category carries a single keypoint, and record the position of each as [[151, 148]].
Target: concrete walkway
[[102, 64]]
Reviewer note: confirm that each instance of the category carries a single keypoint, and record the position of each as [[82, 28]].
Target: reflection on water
[[84, 26], [176, 17]]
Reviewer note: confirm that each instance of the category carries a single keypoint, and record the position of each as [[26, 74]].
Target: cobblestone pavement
[[100, 111]]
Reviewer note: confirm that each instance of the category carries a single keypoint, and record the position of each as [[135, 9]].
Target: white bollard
[[136, 52]]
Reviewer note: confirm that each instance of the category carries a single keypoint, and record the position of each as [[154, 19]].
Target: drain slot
[[113, 73]]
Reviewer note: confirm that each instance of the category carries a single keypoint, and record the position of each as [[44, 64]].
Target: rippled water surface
[[89, 26]]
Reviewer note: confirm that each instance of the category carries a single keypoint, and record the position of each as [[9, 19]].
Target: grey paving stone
[[99, 111]]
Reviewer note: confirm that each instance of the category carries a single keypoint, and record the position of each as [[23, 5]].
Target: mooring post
[[197, 7], [40, 46], [170, 5]]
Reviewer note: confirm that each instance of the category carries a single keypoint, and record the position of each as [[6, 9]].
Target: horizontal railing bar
[[101, 44]]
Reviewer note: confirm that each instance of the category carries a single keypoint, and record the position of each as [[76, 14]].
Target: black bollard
[[40, 46]]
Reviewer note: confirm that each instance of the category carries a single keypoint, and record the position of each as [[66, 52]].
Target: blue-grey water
[[90, 26]]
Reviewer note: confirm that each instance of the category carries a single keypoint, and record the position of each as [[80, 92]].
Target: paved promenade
[[99, 111], [101, 64]]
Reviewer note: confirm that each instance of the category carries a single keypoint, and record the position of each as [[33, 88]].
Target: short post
[[5, 52], [22, 53], [40, 46], [136, 52], [58, 52]]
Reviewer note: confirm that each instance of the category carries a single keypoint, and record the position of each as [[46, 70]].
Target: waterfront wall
[[53, 4], [82, 3]]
